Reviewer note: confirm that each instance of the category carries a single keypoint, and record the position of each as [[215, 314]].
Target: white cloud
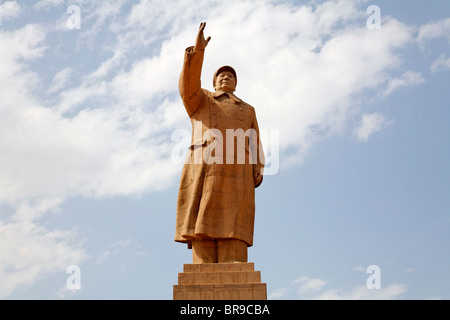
[[309, 286], [433, 30], [113, 249], [47, 158], [409, 270], [8, 10], [390, 292], [359, 269], [60, 80], [45, 4], [29, 251], [314, 289], [94, 153], [278, 294], [370, 124], [409, 78], [440, 64]]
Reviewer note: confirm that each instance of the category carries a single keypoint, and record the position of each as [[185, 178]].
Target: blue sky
[[359, 172]]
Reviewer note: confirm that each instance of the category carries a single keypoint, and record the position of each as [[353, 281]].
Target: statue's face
[[226, 82]]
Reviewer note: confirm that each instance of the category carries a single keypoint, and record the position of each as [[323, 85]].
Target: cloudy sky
[[355, 115]]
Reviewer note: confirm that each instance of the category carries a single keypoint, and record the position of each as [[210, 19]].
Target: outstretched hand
[[201, 42]]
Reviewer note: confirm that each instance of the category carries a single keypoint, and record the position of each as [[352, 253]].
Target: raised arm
[[189, 83]]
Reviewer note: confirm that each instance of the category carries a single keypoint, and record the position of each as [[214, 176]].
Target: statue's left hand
[[257, 178]]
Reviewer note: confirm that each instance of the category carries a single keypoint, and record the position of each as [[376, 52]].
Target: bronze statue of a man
[[216, 198]]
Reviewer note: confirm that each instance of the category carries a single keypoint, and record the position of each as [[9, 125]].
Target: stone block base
[[219, 281]]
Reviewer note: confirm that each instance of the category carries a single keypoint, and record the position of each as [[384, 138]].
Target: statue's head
[[225, 79]]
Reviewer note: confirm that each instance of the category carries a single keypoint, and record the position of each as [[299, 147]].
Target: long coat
[[216, 197]]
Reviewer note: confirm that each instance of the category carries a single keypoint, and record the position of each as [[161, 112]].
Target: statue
[[216, 198]]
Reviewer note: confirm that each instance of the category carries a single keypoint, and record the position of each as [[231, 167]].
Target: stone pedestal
[[219, 281]]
